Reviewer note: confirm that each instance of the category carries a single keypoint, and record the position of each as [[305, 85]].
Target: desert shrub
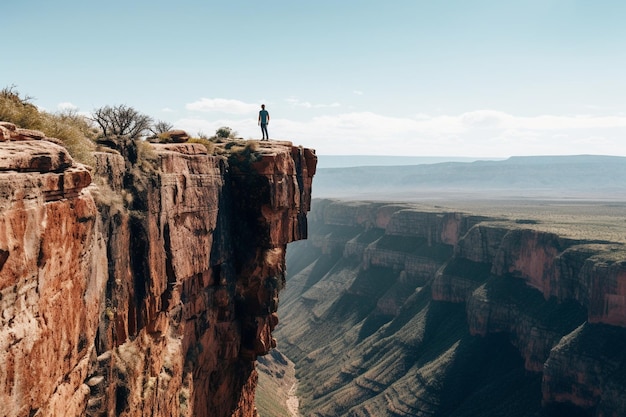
[[208, 144], [160, 127], [183, 400], [147, 158], [224, 132], [231, 146], [222, 135], [242, 154], [104, 195], [18, 109], [74, 130], [252, 145]]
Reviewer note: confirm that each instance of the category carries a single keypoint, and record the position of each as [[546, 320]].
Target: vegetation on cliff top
[[74, 130], [80, 134]]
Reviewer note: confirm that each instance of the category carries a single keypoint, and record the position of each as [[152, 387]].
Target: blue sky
[[410, 77]]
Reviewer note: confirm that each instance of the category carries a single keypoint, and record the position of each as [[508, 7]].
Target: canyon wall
[[427, 311], [146, 285]]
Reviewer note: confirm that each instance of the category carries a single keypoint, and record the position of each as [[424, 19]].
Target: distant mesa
[[550, 177]]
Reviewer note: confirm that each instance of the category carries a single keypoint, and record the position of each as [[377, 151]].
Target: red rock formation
[[607, 290], [157, 299], [51, 278]]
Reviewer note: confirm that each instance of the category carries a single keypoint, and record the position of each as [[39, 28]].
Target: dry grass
[[104, 195], [147, 158], [208, 144], [74, 130]]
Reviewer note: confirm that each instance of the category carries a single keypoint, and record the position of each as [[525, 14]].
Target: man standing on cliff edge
[[264, 120]]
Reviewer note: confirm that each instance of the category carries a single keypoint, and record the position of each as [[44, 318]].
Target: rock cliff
[[148, 284], [431, 311]]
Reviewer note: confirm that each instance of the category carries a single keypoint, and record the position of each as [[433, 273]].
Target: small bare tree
[[161, 127], [121, 120]]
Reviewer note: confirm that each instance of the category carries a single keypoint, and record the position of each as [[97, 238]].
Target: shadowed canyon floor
[[276, 390], [463, 308]]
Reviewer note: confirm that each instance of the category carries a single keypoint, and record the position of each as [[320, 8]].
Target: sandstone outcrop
[[146, 285], [428, 310], [52, 268], [173, 135]]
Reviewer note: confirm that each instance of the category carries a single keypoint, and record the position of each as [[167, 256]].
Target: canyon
[[151, 281], [408, 309], [147, 283]]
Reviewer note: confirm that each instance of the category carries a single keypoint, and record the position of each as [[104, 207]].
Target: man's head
[[263, 106]]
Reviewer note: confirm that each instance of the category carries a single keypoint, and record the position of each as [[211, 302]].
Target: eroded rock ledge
[[142, 287]]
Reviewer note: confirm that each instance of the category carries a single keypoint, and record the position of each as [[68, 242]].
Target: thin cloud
[[489, 119], [484, 118], [480, 133], [308, 105], [222, 105], [358, 92], [66, 105]]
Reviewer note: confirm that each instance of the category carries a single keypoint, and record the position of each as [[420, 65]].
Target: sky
[[476, 78]]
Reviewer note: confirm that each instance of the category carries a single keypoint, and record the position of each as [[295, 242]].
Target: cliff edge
[[148, 284]]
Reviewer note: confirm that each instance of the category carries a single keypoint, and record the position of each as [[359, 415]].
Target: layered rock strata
[[148, 285], [428, 311], [52, 272]]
